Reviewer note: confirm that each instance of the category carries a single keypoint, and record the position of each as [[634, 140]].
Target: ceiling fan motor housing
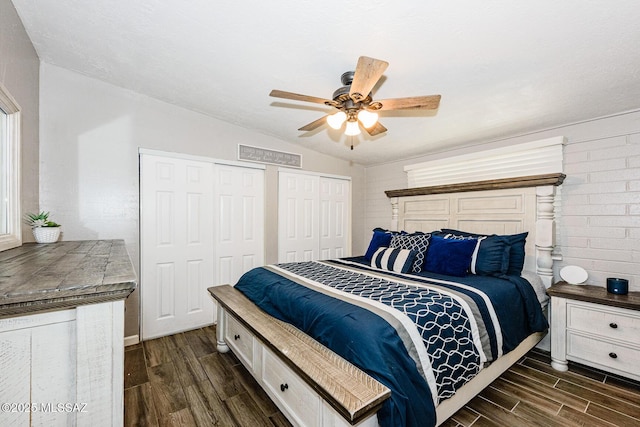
[[344, 101], [347, 78]]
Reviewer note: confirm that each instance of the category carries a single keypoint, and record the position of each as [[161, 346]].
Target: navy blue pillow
[[491, 257], [514, 244], [379, 239], [516, 253], [449, 256]]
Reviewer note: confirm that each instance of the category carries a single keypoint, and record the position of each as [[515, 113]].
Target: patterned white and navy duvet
[[423, 336]]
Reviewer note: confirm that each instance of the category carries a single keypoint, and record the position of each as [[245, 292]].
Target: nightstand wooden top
[[595, 294]]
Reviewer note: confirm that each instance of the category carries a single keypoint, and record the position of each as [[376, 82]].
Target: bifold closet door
[[314, 217], [239, 226], [298, 217], [334, 218], [176, 244]]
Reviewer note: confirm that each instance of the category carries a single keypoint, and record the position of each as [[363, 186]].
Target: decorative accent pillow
[[449, 256], [398, 260], [516, 252], [491, 255], [381, 237], [515, 246], [418, 242]]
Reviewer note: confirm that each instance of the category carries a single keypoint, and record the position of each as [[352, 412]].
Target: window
[[10, 230]]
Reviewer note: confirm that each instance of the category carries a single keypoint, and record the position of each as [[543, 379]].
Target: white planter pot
[[46, 234]]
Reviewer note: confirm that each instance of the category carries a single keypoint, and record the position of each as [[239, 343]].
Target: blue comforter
[[455, 326]]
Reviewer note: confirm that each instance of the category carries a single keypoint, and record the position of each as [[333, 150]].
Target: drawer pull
[[613, 355], [236, 337], [613, 325], [284, 387]]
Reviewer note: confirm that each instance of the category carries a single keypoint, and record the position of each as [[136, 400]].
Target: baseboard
[[131, 340]]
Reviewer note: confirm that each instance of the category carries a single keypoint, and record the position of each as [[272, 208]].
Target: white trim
[[13, 238], [175, 155], [131, 340], [304, 172], [532, 158]]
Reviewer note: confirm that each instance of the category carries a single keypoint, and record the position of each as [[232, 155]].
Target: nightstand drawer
[[608, 354], [613, 323]]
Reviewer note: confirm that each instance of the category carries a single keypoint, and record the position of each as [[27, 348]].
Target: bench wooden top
[[350, 391]]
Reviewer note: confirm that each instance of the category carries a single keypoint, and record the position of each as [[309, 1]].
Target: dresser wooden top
[[595, 294], [55, 276]]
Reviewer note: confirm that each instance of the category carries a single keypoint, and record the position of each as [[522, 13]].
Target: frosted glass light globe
[[367, 118], [352, 129], [336, 120]]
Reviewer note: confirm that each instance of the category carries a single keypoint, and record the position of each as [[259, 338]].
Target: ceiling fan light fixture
[[367, 118], [336, 120], [355, 96], [352, 129]]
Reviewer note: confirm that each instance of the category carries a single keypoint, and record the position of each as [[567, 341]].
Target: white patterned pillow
[[417, 242], [398, 260]]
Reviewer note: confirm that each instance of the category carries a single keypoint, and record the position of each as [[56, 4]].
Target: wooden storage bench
[[312, 385]]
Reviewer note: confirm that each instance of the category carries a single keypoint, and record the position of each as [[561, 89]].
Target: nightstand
[[595, 328]]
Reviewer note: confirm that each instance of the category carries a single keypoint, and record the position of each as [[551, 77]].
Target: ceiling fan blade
[[412, 103], [297, 97], [314, 124], [376, 129], [368, 72]]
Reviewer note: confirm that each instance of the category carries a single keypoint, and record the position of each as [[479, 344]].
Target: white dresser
[[61, 333], [595, 328]]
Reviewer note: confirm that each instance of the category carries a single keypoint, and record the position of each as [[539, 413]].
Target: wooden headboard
[[503, 206]]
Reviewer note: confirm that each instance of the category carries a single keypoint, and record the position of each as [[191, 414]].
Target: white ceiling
[[503, 68]]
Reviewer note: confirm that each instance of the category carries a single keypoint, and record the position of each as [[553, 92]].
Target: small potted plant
[[44, 230]]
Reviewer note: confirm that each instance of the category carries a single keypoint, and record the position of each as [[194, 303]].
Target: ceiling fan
[[354, 102]]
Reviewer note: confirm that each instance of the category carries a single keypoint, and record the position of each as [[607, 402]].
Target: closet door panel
[[314, 217], [176, 248], [298, 217], [239, 230], [335, 196]]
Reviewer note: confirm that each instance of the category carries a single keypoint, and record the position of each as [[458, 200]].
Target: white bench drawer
[[299, 400], [240, 339]]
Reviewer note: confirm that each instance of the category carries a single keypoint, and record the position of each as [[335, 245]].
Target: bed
[[434, 336]]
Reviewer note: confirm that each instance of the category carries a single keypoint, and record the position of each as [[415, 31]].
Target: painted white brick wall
[[598, 208], [600, 214]]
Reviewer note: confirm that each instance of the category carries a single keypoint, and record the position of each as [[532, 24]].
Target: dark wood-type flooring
[[182, 380]]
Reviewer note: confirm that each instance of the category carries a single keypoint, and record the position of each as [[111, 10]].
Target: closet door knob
[[613, 355], [613, 325], [236, 337], [284, 387]]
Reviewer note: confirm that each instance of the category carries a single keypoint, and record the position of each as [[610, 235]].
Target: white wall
[[19, 74], [90, 133], [598, 217]]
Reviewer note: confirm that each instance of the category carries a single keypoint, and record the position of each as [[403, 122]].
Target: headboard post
[[545, 232], [394, 213]]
